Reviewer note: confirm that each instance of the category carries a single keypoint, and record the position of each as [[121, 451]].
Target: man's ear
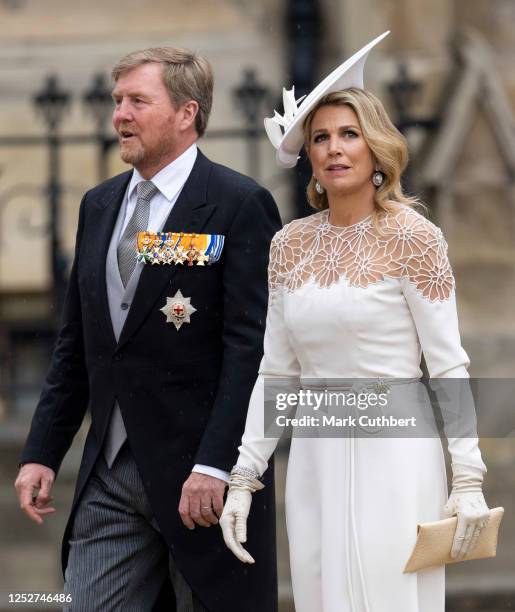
[[189, 112]]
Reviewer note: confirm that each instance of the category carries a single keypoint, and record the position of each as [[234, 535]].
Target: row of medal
[[173, 248]]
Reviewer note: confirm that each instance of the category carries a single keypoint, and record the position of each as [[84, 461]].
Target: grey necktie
[[138, 223]]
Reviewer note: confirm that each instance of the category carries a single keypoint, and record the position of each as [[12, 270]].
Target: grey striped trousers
[[118, 558]]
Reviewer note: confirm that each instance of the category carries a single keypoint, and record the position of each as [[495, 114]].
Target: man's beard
[[132, 155], [138, 156]]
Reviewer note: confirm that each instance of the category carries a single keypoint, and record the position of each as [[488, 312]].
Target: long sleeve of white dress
[[279, 361], [429, 290]]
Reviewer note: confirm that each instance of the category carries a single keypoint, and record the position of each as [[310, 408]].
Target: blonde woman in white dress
[[359, 289]]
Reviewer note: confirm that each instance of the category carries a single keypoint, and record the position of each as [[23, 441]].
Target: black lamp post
[[98, 102], [52, 102], [303, 26], [403, 92], [249, 97]]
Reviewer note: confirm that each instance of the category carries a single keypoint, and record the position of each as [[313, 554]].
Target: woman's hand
[[234, 522], [467, 502], [243, 482]]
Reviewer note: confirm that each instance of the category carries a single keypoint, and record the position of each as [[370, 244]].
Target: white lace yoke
[[407, 246]]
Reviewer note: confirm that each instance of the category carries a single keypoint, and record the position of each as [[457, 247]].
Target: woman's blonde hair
[[388, 146]]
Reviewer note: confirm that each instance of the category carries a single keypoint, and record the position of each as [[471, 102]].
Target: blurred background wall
[[446, 76]]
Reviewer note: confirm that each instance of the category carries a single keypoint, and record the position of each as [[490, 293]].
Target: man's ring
[[206, 507]]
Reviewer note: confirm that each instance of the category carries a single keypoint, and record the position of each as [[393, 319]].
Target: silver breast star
[[178, 309]]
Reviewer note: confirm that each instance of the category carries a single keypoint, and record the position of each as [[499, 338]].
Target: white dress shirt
[[170, 181]]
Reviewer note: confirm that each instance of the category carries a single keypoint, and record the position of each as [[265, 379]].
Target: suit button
[[117, 357], [124, 306]]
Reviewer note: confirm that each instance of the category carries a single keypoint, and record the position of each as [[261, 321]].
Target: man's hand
[[202, 500], [33, 484]]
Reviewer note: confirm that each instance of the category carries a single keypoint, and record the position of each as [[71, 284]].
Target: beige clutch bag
[[434, 542]]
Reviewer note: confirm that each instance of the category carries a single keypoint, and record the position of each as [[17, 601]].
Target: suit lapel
[[107, 208], [189, 214]]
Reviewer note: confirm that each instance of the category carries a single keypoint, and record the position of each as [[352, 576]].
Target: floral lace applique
[[409, 246]]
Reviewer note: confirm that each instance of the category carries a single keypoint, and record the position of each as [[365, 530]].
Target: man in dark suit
[[164, 350]]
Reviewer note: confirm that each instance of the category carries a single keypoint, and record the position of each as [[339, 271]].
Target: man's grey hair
[[186, 75]]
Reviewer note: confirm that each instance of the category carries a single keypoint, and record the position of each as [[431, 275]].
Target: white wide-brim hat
[[289, 142]]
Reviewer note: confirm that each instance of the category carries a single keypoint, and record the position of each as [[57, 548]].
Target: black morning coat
[[183, 393]]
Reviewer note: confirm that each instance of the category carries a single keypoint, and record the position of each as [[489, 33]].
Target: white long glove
[[236, 511], [467, 502]]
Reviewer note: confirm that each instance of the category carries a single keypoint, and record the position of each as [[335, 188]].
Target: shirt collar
[[170, 179]]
